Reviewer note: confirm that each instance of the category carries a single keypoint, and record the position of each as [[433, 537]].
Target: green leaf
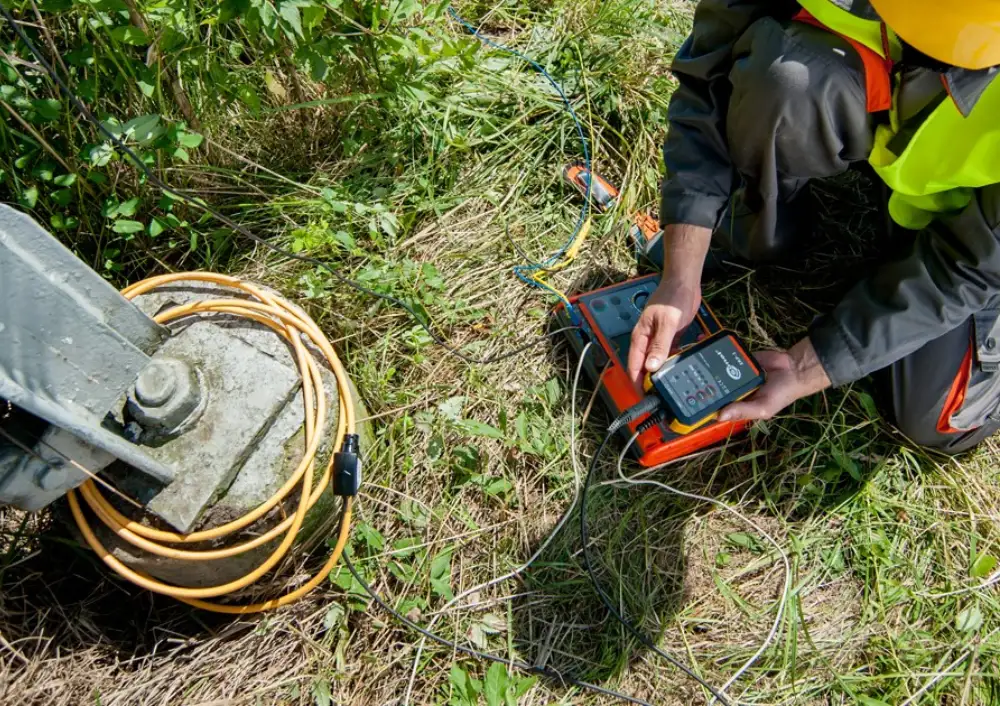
[[130, 35], [65, 180], [451, 408], [156, 226], [983, 566], [321, 693], [250, 98], [441, 575], [405, 546], [522, 687], [190, 140], [292, 17], [969, 620], [435, 447], [500, 486], [143, 129], [459, 680], [47, 108], [477, 428], [127, 208], [127, 227], [62, 197], [373, 538], [334, 614], [495, 684], [868, 403], [345, 239], [29, 197], [312, 15]]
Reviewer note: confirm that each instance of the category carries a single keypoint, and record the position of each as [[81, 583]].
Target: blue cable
[[521, 270]]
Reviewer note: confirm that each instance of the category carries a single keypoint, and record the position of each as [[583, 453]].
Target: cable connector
[[655, 418], [649, 405], [574, 316], [347, 468]]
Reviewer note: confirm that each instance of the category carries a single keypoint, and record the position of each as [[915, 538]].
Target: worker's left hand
[[791, 375]]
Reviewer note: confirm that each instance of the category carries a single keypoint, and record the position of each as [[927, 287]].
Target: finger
[[748, 410], [637, 350], [772, 361], [659, 346]]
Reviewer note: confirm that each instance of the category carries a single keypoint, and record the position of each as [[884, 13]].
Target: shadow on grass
[[57, 599], [638, 534]]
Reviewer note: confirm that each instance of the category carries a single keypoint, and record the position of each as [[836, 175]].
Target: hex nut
[[165, 395]]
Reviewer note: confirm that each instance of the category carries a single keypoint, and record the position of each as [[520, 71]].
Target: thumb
[[740, 411], [659, 347]]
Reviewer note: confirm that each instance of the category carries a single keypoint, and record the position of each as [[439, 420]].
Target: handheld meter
[[608, 316], [699, 381]]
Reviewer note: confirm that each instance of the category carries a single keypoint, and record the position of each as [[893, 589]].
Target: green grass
[[404, 162]]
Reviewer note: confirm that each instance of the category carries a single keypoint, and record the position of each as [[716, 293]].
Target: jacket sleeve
[[952, 272], [699, 173]]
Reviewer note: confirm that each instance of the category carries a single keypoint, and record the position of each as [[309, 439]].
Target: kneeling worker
[[773, 94]]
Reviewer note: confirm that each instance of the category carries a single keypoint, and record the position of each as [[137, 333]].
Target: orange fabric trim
[[956, 395], [878, 84]]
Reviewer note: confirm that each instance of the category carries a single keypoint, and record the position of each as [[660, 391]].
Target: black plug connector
[[648, 405], [347, 468]]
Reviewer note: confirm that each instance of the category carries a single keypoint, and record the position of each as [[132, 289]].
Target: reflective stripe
[[935, 166], [867, 32], [878, 84], [956, 395]]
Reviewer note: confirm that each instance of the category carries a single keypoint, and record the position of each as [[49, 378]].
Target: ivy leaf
[[127, 227]]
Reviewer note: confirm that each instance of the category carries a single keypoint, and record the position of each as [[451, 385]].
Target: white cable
[[718, 503], [944, 672], [538, 552], [991, 580]]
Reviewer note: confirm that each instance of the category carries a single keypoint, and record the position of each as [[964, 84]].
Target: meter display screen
[[706, 378]]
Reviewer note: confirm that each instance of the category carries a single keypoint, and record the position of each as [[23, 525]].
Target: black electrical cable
[[180, 195], [606, 600], [523, 666]]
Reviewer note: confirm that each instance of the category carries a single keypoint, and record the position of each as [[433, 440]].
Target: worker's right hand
[[669, 310]]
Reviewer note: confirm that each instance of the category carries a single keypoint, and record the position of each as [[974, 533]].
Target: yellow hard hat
[[965, 34]]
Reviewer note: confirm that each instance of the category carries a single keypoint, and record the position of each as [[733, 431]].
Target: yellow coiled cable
[[291, 324]]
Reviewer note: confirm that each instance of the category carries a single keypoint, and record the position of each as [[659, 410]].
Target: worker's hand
[[791, 375], [669, 310]]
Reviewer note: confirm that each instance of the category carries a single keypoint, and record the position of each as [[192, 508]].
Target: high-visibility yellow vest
[[948, 156]]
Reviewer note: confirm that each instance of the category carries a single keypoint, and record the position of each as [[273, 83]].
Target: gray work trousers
[[798, 112]]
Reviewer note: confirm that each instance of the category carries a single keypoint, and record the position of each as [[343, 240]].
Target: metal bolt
[[167, 393], [991, 343], [156, 384]]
